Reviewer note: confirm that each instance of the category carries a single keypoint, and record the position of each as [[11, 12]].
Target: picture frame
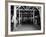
[[16, 5]]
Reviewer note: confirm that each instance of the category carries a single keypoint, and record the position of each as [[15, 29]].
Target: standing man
[[15, 22]]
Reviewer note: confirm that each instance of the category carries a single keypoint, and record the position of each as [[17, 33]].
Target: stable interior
[[28, 18]]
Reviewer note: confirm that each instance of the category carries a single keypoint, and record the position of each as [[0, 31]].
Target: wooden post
[[33, 16], [19, 16]]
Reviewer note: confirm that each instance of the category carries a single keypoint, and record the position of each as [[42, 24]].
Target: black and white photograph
[[25, 18]]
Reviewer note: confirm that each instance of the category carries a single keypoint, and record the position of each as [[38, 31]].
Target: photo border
[[30, 3]]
